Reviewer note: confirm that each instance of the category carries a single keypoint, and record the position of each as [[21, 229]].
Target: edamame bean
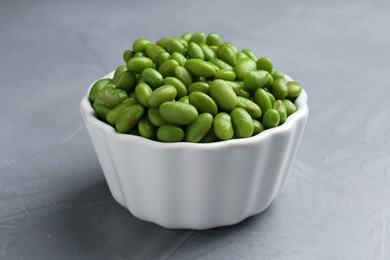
[[199, 86], [176, 46], [213, 39], [242, 122], [238, 88], [277, 74], [225, 75], [163, 57], [110, 97], [186, 36], [127, 55], [250, 54], [255, 79], [198, 37], [208, 53], [155, 117], [271, 118], [210, 137], [146, 128], [143, 93], [119, 70], [240, 55], [257, 127], [290, 106], [200, 67], [178, 113], [113, 114], [184, 99], [170, 133], [223, 94], [126, 81], [179, 86], [194, 51], [222, 126], [140, 44], [203, 103], [294, 89], [153, 50], [152, 77], [129, 118], [262, 99], [101, 111], [280, 89], [243, 67], [281, 108], [179, 58], [271, 97], [221, 64], [162, 94], [227, 53], [251, 107], [140, 54], [97, 86], [183, 75], [199, 128], [264, 63], [138, 64], [168, 68]]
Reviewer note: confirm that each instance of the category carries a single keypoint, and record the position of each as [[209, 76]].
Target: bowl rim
[[89, 115]]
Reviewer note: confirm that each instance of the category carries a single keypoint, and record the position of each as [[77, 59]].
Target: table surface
[[54, 201]]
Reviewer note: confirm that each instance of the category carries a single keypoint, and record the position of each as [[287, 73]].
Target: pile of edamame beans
[[193, 88]]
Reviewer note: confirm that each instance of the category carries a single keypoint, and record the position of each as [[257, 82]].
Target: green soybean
[[290, 106], [178, 113], [101, 111], [203, 103], [146, 128], [179, 58], [257, 127], [264, 63], [242, 122], [163, 57], [140, 44], [153, 50], [255, 79], [225, 75], [110, 97], [186, 36], [200, 67], [126, 81], [143, 93], [280, 89], [176, 46], [294, 89], [152, 77], [221, 64], [222, 126], [127, 55], [271, 97], [243, 67], [119, 70], [179, 86], [240, 55], [155, 117], [97, 87], [129, 118], [198, 37], [262, 99], [251, 107], [271, 118], [162, 94], [168, 68], [208, 53], [227, 53], [281, 108], [250, 54], [138, 64], [277, 74], [194, 51], [184, 99], [199, 86], [183, 75], [170, 133], [223, 94], [213, 39], [199, 128], [238, 88], [113, 114]]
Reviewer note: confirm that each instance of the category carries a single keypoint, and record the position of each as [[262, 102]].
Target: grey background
[[54, 202]]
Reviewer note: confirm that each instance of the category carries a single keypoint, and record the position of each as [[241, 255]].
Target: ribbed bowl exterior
[[196, 186]]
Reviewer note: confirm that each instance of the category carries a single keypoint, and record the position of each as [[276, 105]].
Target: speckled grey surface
[[54, 203]]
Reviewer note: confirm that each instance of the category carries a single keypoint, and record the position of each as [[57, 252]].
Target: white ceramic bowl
[[192, 185]]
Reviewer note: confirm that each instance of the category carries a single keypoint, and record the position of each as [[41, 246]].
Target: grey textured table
[[54, 202]]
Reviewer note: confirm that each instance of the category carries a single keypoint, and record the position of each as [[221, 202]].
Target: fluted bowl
[[196, 185]]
